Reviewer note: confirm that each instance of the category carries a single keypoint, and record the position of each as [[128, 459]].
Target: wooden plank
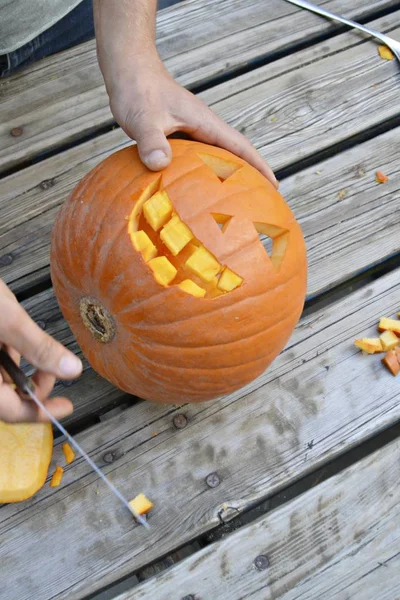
[[339, 540], [63, 98], [258, 440], [343, 211]]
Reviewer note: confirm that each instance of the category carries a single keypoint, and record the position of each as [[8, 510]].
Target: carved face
[[172, 280]]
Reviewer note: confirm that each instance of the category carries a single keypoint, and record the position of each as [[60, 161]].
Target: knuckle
[[45, 351]]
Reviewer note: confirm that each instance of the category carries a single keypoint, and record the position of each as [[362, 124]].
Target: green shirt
[[22, 20]]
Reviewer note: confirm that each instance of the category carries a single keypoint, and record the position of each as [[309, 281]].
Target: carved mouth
[[173, 253]]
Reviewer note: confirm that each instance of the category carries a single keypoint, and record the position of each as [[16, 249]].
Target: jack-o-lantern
[[163, 277]]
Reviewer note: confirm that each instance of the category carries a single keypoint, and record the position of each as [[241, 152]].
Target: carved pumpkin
[[25, 455], [163, 277]]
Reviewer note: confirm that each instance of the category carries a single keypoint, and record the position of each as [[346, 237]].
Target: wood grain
[[339, 540], [321, 389], [62, 98]]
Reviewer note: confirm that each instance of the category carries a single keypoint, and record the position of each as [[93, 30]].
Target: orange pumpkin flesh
[[25, 455], [163, 278]]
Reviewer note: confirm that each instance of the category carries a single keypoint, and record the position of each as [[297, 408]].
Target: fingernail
[[70, 365], [157, 159]]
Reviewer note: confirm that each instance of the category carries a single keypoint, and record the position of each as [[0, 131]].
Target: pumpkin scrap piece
[[204, 264], [157, 210], [392, 361], [369, 345], [25, 451], [68, 453], [144, 245], [228, 280], [57, 477], [164, 271], [381, 177], [389, 340], [385, 53], [141, 504], [190, 287], [389, 325], [176, 235]]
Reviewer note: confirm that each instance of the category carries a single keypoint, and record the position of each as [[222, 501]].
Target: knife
[[25, 386]]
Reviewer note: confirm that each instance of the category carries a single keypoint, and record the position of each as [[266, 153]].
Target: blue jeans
[[73, 29]]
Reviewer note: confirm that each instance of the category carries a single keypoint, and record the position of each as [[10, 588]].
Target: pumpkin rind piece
[[144, 245], [386, 324], [57, 477], [204, 264], [190, 287], [229, 280], [389, 340], [164, 271], [369, 345], [141, 504], [25, 451], [157, 210], [176, 235]]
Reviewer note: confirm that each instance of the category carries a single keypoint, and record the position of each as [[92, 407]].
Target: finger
[[44, 383], [205, 126], [13, 409], [42, 351], [154, 149]]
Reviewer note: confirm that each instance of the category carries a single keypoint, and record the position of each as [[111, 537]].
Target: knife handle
[[22, 382]]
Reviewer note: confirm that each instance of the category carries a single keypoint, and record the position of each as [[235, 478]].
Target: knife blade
[[25, 385]]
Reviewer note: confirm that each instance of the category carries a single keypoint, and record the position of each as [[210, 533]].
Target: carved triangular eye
[[221, 220], [222, 168], [275, 240]]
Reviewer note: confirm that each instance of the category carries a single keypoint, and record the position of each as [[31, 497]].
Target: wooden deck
[[322, 106]]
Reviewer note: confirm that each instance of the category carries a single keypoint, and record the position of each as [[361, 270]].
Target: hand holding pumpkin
[[145, 100], [20, 335]]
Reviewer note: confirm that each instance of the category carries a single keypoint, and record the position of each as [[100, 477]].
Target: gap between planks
[[62, 99], [319, 389], [337, 541]]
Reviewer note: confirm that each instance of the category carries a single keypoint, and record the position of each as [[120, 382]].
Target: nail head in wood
[[6, 260], [109, 457], [261, 562], [213, 480], [179, 421], [16, 131]]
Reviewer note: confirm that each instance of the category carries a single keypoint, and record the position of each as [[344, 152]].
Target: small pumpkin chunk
[[369, 345], [69, 454], [392, 361], [144, 245], [158, 210], [228, 280], [141, 504], [176, 235], [389, 325], [385, 53], [190, 287], [57, 477], [164, 271], [389, 340], [204, 264]]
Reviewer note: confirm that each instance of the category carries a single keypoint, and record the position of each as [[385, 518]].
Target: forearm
[[125, 34]]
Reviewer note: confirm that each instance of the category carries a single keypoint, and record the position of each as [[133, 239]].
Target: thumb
[[154, 149], [37, 347]]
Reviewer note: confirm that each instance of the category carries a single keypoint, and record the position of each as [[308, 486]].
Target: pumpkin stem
[[97, 319]]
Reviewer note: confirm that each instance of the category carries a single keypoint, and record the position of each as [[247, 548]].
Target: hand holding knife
[[25, 386]]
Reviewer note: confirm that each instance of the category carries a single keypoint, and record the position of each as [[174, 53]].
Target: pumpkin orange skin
[[169, 346]]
